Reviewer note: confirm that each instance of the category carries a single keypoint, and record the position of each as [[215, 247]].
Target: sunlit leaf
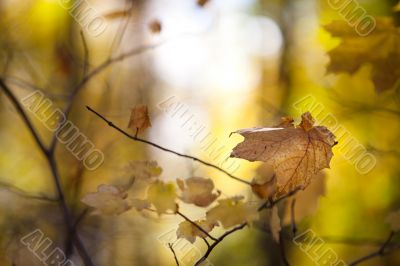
[[197, 190], [233, 211], [139, 119], [144, 170], [162, 196], [295, 153], [188, 231]]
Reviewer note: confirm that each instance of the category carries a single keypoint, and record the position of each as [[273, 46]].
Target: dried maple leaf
[[188, 231], [162, 196], [155, 26], [380, 49], [108, 200], [393, 219], [198, 191], [233, 211], [295, 153], [144, 170], [275, 223], [139, 118]]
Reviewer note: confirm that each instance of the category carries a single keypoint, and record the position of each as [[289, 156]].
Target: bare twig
[[56, 178], [25, 194], [173, 252], [196, 225], [282, 249], [210, 248], [292, 217], [383, 250], [135, 138]]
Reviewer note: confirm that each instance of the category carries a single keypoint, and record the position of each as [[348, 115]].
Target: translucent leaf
[[139, 119], [108, 200], [144, 170], [198, 191], [188, 231], [162, 196], [295, 153], [233, 211]]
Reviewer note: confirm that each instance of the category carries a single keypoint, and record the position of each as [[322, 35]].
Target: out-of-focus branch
[[55, 174], [173, 252], [383, 250]]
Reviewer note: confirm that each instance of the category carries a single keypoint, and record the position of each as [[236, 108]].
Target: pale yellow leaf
[[162, 196], [144, 170], [233, 211], [108, 200], [188, 231]]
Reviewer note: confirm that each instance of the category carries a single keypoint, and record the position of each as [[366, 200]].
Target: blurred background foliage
[[233, 64]]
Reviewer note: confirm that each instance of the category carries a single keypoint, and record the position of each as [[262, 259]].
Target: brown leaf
[[117, 14], [155, 26], [202, 3], [139, 118], [198, 191], [296, 154]]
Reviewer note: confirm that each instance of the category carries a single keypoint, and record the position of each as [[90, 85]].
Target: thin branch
[[383, 250], [173, 252], [135, 138], [282, 250], [271, 203], [24, 116], [210, 248], [25, 194], [56, 178], [196, 225], [292, 217]]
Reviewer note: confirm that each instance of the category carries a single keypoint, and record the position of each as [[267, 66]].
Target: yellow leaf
[[139, 204], [162, 196], [188, 231], [295, 153], [198, 191], [233, 211], [393, 219], [108, 200], [380, 48], [275, 223], [139, 118], [144, 170]]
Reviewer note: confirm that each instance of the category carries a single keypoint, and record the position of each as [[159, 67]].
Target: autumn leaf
[[162, 196], [233, 211], [139, 119], [264, 184], [393, 219], [380, 49], [108, 200], [202, 3], [197, 190], [188, 231], [144, 170], [155, 26], [296, 153], [275, 223]]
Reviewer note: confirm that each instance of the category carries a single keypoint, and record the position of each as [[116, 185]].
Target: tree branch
[[135, 138], [383, 250], [173, 252], [196, 225]]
